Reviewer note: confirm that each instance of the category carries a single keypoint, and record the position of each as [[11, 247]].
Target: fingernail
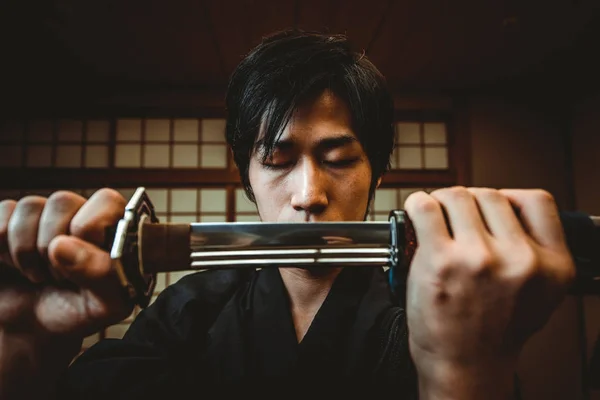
[[69, 253]]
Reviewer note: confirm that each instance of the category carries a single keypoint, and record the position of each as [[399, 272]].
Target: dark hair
[[289, 67]]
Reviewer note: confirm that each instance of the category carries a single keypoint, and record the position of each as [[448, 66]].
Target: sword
[[141, 246]]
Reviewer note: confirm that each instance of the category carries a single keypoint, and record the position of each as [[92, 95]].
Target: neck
[[307, 290]]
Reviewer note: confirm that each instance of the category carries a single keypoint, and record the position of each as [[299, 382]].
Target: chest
[[302, 320]]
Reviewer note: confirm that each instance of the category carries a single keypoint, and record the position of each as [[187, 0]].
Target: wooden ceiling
[[74, 48]]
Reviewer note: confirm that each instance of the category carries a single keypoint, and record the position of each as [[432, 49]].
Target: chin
[[318, 270]]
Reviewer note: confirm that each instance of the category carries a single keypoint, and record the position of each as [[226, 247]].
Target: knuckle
[[445, 267], [525, 262], [63, 199], [81, 227], [542, 197], [528, 258], [31, 202], [6, 207], [481, 261], [110, 196], [453, 193], [420, 202], [488, 195], [89, 224]]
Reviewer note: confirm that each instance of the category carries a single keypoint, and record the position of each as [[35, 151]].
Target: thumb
[[90, 268]]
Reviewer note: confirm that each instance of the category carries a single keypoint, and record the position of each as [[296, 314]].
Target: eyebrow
[[328, 143]]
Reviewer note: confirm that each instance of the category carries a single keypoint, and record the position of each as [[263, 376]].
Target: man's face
[[318, 170]]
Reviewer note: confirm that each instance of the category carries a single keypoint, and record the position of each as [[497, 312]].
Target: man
[[310, 126]]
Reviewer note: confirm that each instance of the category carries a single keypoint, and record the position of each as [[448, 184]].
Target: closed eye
[[277, 166], [341, 163]]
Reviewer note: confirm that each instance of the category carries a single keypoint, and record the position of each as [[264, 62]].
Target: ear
[[378, 183]]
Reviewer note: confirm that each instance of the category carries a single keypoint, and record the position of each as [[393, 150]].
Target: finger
[[85, 265], [55, 220], [22, 237], [7, 208], [463, 213], [498, 214], [104, 300], [539, 215], [428, 220], [104, 209]]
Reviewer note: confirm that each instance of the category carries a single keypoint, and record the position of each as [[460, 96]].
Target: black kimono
[[232, 329]]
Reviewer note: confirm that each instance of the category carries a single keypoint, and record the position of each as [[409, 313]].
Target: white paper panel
[[213, 218], [40, 131], [213, 156], [96, 156], [185, 156], [186, 130], [184, 200], [183, 218], [242, 203], [116, 331], [156, 155], [410, 158], [175, 276], [39, 156], [90, 340], [247, 218], [129, 129], [68, 156], [213, 200], [97, 131], [404, 193], [213, 130], [11, 155], [161, 280], [128, 156], [434, 133], [157, 130], [12, 132], [408, 132], [70, 130], [158, 197], [385, 200], [126, 192], [436, 158]]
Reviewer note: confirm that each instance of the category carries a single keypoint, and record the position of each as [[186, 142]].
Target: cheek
[[355, 188], [267, 192]]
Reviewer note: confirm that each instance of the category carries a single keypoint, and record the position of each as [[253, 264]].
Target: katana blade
[[292, 257], [253, 235], [175, 247]]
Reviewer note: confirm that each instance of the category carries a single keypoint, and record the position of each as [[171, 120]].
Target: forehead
[[326, 107], [320, 117]]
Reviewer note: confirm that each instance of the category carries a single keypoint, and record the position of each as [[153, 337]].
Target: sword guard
[[403, 243], [125, 251]]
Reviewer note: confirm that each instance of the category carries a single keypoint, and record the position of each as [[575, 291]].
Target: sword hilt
[[582, 234], [141, 247]]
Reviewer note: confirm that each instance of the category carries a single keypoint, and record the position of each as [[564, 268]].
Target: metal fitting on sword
[[126, 249]]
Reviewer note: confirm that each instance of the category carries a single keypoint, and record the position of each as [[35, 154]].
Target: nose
[[309, 192]]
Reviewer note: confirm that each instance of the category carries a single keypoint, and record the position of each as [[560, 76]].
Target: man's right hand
[[57, 284]]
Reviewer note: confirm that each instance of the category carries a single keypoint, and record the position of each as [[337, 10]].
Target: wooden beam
[[419, 178], [55, 178], [460, 146]]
